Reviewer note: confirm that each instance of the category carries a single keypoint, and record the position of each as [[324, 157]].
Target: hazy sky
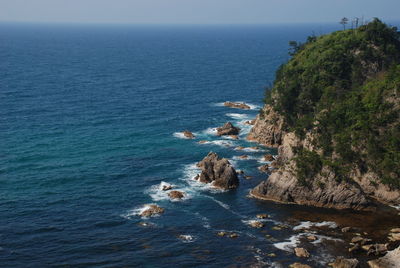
[[195, 11]]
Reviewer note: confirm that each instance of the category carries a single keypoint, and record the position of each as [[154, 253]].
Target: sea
[[91, 121]]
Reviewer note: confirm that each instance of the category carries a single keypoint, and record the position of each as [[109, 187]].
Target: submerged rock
[[152, 210], [188, 134], [299, 265], [341, 262], [301, 252], [218, 171], [243, 156], [228, 129], [237, 105], [176, 195], [166, 187]]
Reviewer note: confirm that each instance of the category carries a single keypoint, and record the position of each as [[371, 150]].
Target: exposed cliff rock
[[217, 171], [268, 128], [335, 119], [390, 260]]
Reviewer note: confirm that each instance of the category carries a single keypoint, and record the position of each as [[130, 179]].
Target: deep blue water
[[87, 122]]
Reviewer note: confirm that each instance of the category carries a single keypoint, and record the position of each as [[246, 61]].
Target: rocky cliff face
[[359, 192]]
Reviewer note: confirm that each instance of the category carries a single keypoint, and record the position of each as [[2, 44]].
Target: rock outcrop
[[176, 195], [390, 260], [217, 171], [341, 262], [237, 105], [228, 129], [324, 190]]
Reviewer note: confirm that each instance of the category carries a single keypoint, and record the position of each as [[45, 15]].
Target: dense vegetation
[[345, 88]]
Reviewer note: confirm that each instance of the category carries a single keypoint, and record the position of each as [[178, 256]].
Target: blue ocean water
[[89, 126]]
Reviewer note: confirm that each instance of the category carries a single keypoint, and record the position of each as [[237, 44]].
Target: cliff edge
[[333, 113]]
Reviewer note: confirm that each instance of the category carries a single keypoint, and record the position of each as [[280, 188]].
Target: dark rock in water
[[152, 210], [301, 252], [176, 195], [262, 216], [188, 134], [166, 187], [228, 129], [354, 248], [237, 105], [341, 262], [269, 157], [256, 224], [390, 260], [218, 171]]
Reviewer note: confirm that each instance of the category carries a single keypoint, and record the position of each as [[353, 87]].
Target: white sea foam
[[396, 207], [187, 238], [250, 150], [190, 172], [289, 244], [221, 143], [210, 131], [205, 220], [180, 135], [157, 192], [136, 211], [309, 224], [238, 116]]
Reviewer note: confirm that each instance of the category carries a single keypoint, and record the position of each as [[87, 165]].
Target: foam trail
[[309, 224], [238, 116]]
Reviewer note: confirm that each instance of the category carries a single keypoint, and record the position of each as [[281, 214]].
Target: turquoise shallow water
[[89, 117]]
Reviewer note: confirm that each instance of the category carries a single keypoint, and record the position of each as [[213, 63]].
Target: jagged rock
[[390, 260], [346, 229], [262, 216], [341, 262], [188, 134], [301, 252], [264, 168], [228, 129], [237, 105], [218, 171], [269, 157], [299, 265], [152, 210], [256, 224], [176, 195]]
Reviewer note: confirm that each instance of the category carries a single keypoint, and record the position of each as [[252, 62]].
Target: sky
[[195, 11]]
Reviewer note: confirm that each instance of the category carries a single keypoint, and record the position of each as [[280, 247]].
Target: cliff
[[333, 114]]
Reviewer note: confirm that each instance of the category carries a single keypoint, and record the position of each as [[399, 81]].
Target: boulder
[[152, 210], [218, 171], [390, 260], [228, 129], [176, 195], [188, 134], [376, 249], [341, 262], [262, 216], [301, 252], [269, 157], [237, 105], [166, 187]]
